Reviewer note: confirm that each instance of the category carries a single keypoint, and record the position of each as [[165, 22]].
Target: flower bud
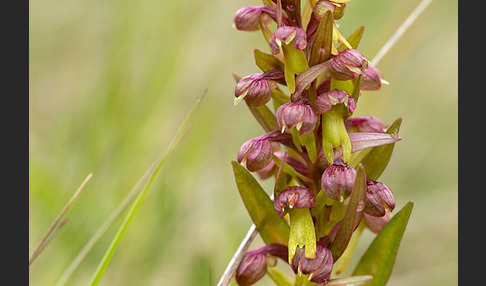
[[248, 18], [255, 153], [371, 79], [256, 88], [287, 34], [251, 269], [253, 266], [320, 8], [297, 114], [378, 197], [346, 65], [339, 10], [295, 196], [336, 177], [364, 124], [325, 101], [319, 269]]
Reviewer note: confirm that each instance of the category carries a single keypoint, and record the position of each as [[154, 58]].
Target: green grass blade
[[379, 259], [102, 229], [136, 205]]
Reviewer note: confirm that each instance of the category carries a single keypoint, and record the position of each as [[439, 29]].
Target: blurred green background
[[111, 81]]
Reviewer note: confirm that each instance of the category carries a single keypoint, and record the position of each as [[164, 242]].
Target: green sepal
[[322, 45], [354, 38], [271, 227], [377, 159], [380, 257], [302, 233], [267, 62], [295, 63], [352, 217]]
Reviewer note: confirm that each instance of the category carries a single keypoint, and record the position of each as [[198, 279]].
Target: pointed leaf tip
[[364, 140], [380, 257]]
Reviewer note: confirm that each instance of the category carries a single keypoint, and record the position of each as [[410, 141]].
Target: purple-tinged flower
[[319, 269], [251, 269], [346, 65], [324, 102], [297, 114], [295, 196], [336, 177], [287, 34], [253, 266], [371, 79], [267, 171], [256, 88], [248, 18], [255, 153], [374, 223], [378, 198], [364, 124]]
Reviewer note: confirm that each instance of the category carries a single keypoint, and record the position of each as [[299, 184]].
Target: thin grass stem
[[45, 240], [103, 228], [400, 31], [138, 201]]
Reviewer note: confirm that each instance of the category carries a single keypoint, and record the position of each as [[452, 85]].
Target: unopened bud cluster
[[314, 76]]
